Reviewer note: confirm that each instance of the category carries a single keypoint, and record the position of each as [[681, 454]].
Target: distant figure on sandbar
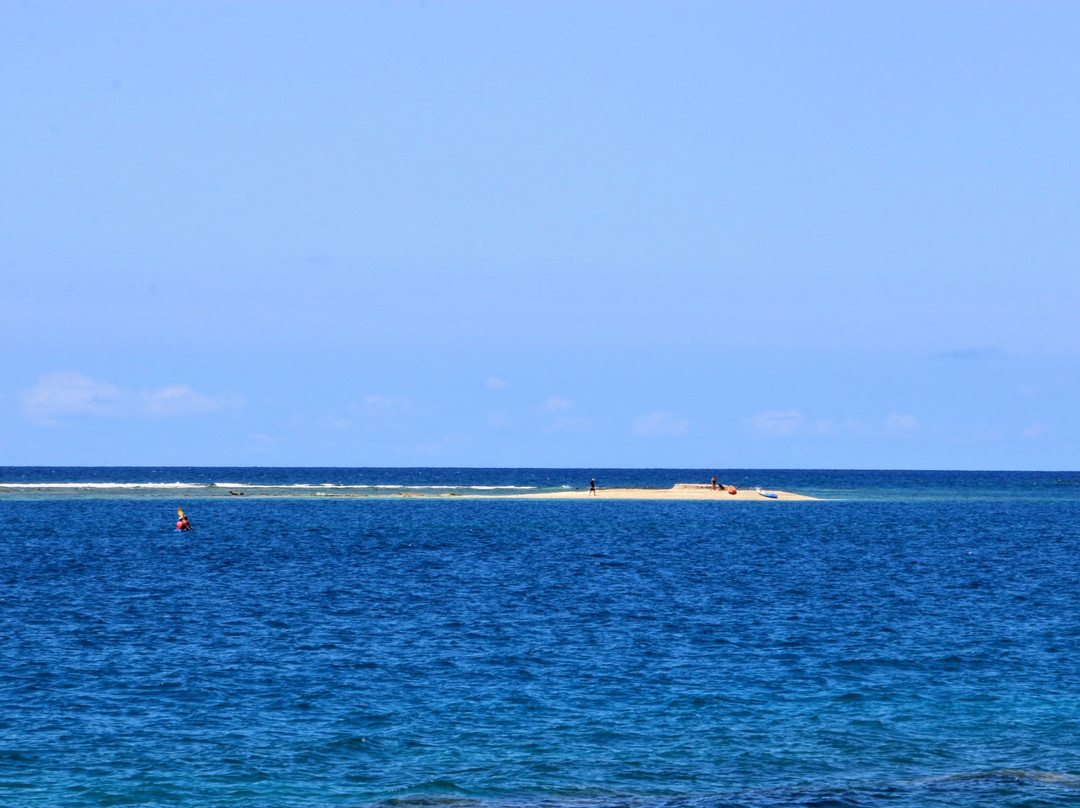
[[592, 487], [714, 483]]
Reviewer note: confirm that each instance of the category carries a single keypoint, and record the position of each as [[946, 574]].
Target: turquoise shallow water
[[911, 640]]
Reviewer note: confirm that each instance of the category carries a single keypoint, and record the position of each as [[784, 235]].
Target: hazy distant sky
[[717, 234]]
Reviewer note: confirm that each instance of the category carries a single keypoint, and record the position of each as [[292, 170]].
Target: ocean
[[326, 639]]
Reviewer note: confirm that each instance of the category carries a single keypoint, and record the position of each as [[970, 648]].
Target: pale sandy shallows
[[680, 491]]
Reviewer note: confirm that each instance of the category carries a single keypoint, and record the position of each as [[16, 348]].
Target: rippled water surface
[[910, 640]]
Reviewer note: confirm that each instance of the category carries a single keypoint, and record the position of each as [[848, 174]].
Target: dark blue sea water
[[913, 639]]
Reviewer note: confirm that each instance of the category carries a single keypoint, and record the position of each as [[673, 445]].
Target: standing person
[[714, 483], [592, 487]]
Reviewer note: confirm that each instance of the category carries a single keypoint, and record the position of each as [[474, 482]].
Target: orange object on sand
[[731, 490]]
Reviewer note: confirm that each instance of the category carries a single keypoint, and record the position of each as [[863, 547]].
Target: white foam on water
[[259, 486], [104, 485]]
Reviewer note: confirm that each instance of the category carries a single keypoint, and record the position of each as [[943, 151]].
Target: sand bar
[[686, 491]]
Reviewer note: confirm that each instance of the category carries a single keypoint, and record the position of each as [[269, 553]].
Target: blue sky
[[715, 235]]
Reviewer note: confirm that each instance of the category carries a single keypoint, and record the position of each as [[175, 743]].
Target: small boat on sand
[[768, 494]]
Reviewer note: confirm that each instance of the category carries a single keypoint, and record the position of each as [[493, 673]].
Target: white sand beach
[[684, 491]]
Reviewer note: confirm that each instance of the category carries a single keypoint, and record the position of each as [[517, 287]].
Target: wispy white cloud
[[560, 416], [854, 426], [829, 427], [897, 424], [493, 383], [374, 412], [381, 404], [657, 424], [385, 406], [555, 404], [179, 399], [793, 422], [824, 427], [569, 423], [497, 419], [777, 422], [1033, 431], [65, 395], [440, 447], [334, 421]]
